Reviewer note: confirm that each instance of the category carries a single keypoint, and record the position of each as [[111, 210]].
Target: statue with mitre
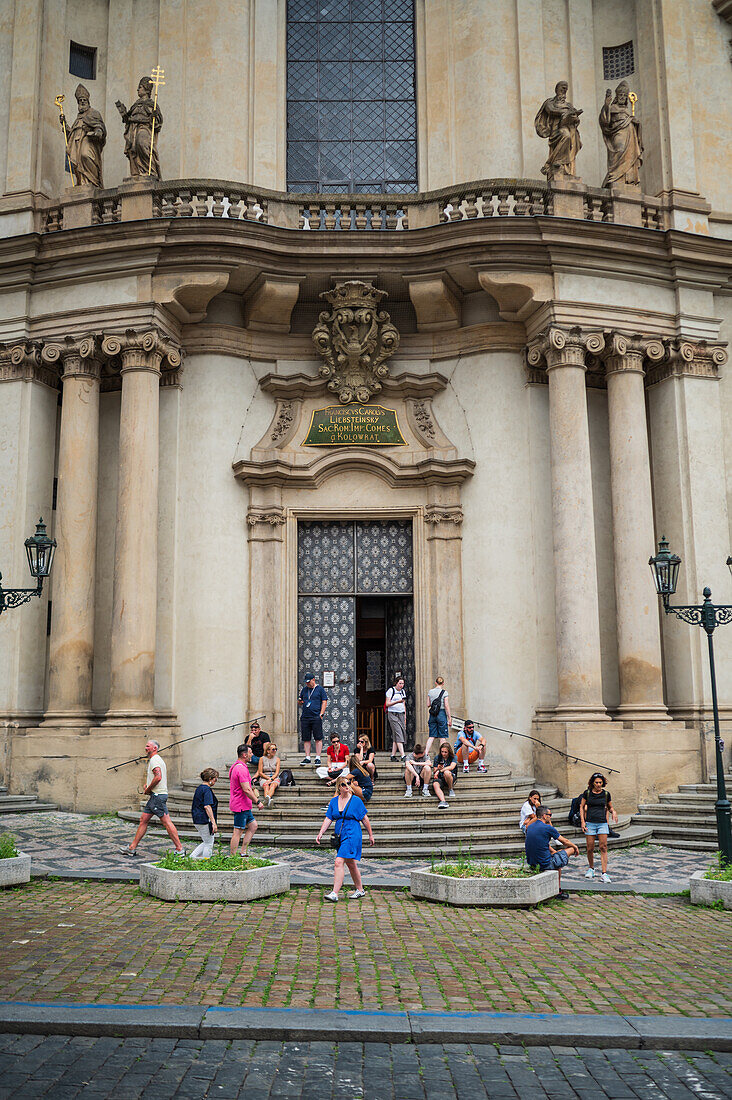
[[85, 140]]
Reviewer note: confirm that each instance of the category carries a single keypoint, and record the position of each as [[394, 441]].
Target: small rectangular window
[[83, 61], [618, 61]]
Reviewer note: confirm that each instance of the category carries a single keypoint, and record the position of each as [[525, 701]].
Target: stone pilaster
[[579, 671], [266, 532], [72, 624], [142, 357], [638, 629], [443, 537]]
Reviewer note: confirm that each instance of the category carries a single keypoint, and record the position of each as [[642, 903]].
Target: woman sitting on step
[[268, 773], [444, 775], [363, 784]]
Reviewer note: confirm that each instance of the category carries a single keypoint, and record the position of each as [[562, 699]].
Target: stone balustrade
[[318, 213]]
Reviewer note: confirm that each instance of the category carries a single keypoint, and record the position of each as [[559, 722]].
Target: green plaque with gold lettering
[[354, 426]]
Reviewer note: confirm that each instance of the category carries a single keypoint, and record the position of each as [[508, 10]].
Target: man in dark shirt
[[313, 701], [258, 738], [538, 851]]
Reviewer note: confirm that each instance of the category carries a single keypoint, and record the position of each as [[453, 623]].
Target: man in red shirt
[[338, 754]]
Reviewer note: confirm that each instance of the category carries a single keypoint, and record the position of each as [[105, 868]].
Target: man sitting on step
[[470, 747], [538, 851], [418, 772]]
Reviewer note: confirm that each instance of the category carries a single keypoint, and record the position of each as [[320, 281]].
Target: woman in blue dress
[[347, 811]]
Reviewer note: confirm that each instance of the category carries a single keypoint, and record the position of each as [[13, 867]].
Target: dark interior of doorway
[[380, 654]]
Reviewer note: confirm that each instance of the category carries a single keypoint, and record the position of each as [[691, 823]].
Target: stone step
[[404, 813], [673, 809], [383, 790], [24, 804]]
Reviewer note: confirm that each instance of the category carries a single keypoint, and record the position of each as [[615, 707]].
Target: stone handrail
[[506, 198]]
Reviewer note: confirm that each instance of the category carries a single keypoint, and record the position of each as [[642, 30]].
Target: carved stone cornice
[[143, 351], [24, 362], [695, 359], [406, 384], [78, 357], [354, 339], [562, 347]]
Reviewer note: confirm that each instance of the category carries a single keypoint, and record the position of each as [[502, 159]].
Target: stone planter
[[521, 891], [705, 891], [260, 882], [16, 870]]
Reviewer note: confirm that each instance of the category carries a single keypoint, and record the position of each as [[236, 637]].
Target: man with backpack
[[439, 713]]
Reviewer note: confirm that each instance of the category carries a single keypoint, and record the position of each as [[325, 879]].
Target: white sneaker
[[425, 792], [332, 896], [357, 894], [482, 767], [451, 794], [443, 806], [466, 767], [408, 792], [606, 877], [268, 801], [590, 872]]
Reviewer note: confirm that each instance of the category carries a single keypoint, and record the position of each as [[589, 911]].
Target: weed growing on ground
[[465, 867], [720, 871], [8, 849], [218, 862]]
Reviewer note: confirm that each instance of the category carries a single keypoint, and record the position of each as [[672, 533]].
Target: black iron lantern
[[665, 570], [40, 550]]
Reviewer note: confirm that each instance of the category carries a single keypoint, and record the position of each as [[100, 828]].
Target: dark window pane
[[334, 10], [309, 187], [83, 61], [302, 159], [366, 42], [368, 80], [398, 41], [335, 42], [335, 121], [351, 116], [302, 80], [368, 121], [335, 80], [368, 187]]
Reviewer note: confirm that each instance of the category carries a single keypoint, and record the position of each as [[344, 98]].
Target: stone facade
[[558, 376]]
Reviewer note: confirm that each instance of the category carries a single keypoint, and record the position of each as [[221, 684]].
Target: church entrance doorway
[[356, 619]]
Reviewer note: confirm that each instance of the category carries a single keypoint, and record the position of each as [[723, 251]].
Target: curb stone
[[317, 1025]]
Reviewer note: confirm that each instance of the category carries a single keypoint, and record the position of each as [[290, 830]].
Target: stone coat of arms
[[355, 339]]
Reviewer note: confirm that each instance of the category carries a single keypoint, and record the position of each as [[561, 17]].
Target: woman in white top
[[396, 713], [268, 772], [528, 810]]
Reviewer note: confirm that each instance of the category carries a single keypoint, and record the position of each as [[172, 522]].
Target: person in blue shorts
[[347, 811], [538, 852]]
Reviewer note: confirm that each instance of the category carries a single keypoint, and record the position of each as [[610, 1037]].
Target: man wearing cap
[[313, 701], [257, 740]]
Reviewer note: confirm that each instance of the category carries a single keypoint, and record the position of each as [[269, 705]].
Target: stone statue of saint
[[86, 137], [139, 131], [621, 131], [558, 121]]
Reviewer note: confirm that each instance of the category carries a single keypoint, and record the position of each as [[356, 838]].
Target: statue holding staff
[[85, 140], [143, 123], [621, 131], [558, 121]]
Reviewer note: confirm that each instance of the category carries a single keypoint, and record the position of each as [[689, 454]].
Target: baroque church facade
[[373, 335]]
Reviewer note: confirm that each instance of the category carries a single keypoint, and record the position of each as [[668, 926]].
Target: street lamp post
[[40, 550], [665, 569]]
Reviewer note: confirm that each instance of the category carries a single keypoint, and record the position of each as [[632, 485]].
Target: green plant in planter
[[720, 871], [219, 861], [8, 849], [471, 868]]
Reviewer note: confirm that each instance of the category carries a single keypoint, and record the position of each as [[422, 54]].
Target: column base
[[58, 719], [647, 759], [144, 718], [652, 712], [585, 714], [68, 765]]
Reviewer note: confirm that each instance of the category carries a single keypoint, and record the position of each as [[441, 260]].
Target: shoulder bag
[[335, 840]]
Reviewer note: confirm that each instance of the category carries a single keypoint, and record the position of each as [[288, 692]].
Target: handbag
[[335, 840]]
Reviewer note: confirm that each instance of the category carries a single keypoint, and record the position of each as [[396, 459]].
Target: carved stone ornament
[[354, 339], [284, 421], [424, 420]]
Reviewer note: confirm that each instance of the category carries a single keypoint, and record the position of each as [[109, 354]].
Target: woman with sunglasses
[[596, 808], [367, 755], [347, 811]]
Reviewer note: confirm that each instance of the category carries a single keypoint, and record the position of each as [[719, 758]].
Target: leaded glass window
[[351, 111], [618, 61]]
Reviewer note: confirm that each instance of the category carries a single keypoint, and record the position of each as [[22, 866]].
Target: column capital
[[143, 351], [691, 358], [77, 357], [23, 362], [563, 347], [628, 354]]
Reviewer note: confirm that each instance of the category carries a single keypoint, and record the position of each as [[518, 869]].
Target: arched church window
[[351, 110], [618, 61]]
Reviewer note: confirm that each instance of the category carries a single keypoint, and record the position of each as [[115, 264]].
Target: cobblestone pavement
[[109, 943], [64, 842], [96, 1069]]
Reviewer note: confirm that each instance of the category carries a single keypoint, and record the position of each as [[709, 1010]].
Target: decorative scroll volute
[[354, 339]]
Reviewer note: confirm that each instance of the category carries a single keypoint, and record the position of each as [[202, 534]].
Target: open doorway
[[384, 647]]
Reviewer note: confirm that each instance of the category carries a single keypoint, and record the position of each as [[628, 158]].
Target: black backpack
[[436, 704], [573, 816]]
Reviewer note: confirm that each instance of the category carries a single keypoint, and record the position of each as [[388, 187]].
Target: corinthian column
[[72, 622], [579, 670], [639, 636], [132, 690]]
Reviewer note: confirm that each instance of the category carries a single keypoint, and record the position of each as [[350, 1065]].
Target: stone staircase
[[684, 818], [22, 803], [482, 819]]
